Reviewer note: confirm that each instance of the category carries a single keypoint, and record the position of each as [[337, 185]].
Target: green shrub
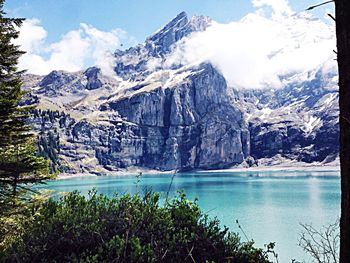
[[127, 229]]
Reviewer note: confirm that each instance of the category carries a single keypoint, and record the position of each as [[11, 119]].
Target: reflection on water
[[268, 205]]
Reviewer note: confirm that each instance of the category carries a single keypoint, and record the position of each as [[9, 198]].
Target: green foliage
[[127, 229], [49, 138], [14, 225], [12, 117], [19, 164], [48, 145]]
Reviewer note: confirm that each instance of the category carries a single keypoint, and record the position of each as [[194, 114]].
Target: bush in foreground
[[127, 229]]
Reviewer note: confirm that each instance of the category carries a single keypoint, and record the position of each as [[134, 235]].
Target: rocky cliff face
[[185, 125], [178, 118], [299, 123]]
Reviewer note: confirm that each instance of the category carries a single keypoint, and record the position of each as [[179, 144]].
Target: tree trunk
[[343, 44]]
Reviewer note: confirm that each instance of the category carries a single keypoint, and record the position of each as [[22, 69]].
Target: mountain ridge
[[182, 118]]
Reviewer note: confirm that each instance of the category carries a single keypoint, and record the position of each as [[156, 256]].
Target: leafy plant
[[127, 229]]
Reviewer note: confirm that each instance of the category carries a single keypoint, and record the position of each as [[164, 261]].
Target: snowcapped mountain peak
[[177, 23], [134, 63], [161, 41]]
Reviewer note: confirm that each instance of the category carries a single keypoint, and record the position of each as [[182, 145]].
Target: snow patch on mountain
[[259, 51], [312, 123]]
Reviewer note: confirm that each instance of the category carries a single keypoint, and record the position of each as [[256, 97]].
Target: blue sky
[[139, 18], [72, 35]]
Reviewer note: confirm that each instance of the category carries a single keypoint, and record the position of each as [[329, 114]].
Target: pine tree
[[20, 167]]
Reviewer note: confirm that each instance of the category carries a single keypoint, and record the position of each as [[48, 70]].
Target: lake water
[[268, 205]]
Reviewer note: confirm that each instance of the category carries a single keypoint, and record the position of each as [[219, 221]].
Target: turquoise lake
[[268, 205]]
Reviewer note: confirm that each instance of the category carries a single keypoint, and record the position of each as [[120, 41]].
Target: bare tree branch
[[314, 6], [331, 16], [323, 244]]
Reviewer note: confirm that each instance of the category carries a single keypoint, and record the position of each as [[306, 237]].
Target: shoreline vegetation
[[127, 228]]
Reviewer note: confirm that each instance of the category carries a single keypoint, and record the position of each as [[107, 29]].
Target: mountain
[[185, 117], [133, 63]]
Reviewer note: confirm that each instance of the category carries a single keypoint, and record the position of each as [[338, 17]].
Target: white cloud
[[258, 50], [73, 52], [279, 7], [32, 35], [104, 44], [255, 52]]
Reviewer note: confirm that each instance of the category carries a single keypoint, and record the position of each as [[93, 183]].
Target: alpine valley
[[180, 117]]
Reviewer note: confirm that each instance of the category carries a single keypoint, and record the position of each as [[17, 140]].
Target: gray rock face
[[79, 141], [188, 126], [51, 85], [93, 78], [179, 118], [300, 122]]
